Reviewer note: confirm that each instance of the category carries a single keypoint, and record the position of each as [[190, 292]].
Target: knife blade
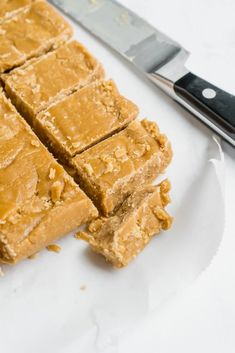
[[157, 56]]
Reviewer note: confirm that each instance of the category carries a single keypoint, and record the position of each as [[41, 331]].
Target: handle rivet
[[209, 93]]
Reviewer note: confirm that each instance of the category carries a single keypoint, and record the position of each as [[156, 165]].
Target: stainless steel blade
[[155, 54], [122, 30]]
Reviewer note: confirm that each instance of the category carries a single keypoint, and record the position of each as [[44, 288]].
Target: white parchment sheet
[[44, 306]]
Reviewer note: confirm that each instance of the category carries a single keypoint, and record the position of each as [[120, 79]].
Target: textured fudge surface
[[39, 201], [9, 8], [84, 118], [121, 237], [47, 79], [112, 169], [31, 33]]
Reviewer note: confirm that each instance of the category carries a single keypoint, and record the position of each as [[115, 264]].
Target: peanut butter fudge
[[84, 118], [31, 33], [39, 201], [111, 170], [121, 237], [51, 77], [10, 8]]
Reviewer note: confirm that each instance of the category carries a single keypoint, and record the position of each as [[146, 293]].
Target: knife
[[157, 56]]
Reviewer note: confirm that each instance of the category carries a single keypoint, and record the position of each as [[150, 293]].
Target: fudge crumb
[[10, 251], [120, 152], [1, 272], [13, 219], [147, 147], [88, 169], [35, 143], [139, 150], [56, 191], [33, 256], [95, 225], [36, 89], [54, 247], [164, 192], [151, 128], [82, 235], [4, 56], [77, 235], [83, 287], [162, 140], [76, 144], [52, 173], [109, 167], [163, 216]]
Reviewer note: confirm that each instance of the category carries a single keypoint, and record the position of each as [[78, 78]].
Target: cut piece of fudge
[[84, 118], [11, 8], [51, 77], [31, 33], [121, 237], [39, 201], [111, 170]]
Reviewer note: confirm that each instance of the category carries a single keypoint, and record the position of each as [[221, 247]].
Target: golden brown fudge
[[39, 201], [10, 8], [121, 237], [84, 118], [31, 33], [50, 78], [111, 170]]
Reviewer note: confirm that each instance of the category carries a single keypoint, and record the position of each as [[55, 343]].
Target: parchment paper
[[75, 302]]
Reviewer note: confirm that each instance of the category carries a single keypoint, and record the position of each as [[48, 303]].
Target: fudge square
[[39, 201], [121, 237], [9, 9], [51, 77], [111, 170], [31, 33], [84, 118]]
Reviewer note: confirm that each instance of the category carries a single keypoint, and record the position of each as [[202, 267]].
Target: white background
[[202, 319]]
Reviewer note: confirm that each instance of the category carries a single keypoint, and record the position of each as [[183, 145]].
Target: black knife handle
[[212, 102]]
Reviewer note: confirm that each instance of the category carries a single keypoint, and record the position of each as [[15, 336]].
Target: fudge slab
[[50, 78], [39, 201], [10, 8], [121, 237], [111, 170], [31, 33], [84, 118]]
